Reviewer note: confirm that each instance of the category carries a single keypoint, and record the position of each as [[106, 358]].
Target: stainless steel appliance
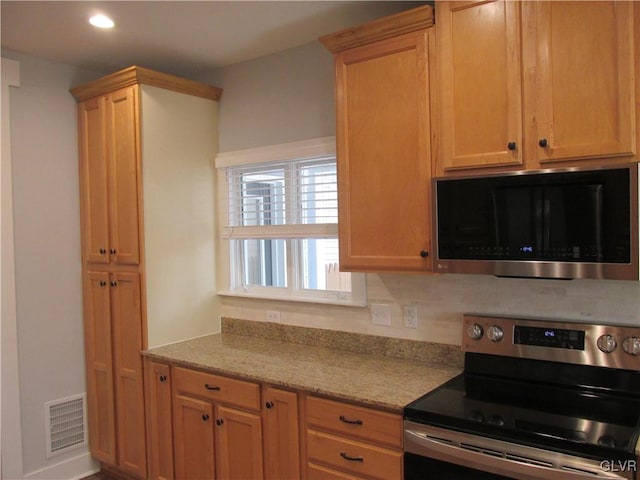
[[560, 223], [537, 400]]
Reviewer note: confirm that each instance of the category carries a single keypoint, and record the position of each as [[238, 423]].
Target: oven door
[[461, 456], [417, 467]]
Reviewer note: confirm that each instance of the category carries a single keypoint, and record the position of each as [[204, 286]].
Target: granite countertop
[[369, 379]]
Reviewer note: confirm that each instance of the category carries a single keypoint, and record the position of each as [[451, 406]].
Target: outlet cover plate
[[410, 316], [381, 314]]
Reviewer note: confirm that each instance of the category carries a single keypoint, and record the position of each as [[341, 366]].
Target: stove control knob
[[475, 331], [607, 344], [631, 345], [495, 333]]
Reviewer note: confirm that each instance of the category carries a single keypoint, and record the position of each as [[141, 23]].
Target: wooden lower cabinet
[[194, 438], [345, 441], [318, 472], [204, 426], [159, 416], [99, 361], [239, 444], [115, 394], [216, 433], [281, 434]]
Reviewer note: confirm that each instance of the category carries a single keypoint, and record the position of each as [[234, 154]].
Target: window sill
[[287, 296]]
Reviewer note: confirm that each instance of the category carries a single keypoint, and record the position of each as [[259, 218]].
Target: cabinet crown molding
[[404, 22], [135, 75]]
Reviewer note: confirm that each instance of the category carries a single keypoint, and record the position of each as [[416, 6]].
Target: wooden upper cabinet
[[383, 143], [526, 84], [124, 154], [585, 80], [94, 174], [109, 169], [480, 96]]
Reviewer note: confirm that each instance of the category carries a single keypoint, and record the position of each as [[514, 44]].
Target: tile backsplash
[[442, 299]]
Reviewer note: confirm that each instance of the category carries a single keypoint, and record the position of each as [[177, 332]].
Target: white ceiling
[[180, 37]]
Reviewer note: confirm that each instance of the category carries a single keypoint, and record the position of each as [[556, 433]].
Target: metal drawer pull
[[351, 459], [210, 387], [350, 422]]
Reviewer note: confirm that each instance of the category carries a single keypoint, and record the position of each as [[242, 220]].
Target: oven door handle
[[515, 460]]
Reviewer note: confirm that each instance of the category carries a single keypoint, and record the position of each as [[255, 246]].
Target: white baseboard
[[71, 469]]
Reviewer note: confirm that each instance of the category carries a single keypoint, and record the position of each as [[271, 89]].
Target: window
[[282, 225]]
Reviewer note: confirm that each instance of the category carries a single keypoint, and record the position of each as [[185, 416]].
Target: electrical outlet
[[381, 314], [273, 316], [410, 316]]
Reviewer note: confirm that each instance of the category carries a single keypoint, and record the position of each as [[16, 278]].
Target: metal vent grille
[[65, 424]]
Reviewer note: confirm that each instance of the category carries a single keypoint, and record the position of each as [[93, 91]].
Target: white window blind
[[291, 199]]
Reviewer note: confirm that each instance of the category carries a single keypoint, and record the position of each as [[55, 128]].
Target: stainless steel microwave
[[557, 223]]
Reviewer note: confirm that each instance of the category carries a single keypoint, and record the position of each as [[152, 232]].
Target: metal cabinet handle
[[512, 146], [269, 404], [114, 284], [103, 283], [205, 417], [211, 387], [219, 422], [350, 422], [351, 459], [163, 378], [103, 251], [543, 142], [113, 251], [424, 253]]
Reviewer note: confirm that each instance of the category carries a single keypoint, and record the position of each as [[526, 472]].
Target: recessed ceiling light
[[101, 21]]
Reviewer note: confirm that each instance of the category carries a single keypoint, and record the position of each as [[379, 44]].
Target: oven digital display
[[549, 337]]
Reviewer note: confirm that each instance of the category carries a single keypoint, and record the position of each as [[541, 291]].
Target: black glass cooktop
[[570, 419]]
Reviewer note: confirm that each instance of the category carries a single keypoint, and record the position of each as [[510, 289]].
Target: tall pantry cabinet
[[146, 145]]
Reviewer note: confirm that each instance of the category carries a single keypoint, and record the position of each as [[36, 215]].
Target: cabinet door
[[99, 361], [159, 420], [239, 444], [193, 438], [127, 345], [384, 169], [585, 89], [124, 176], [479, 88], [93, 180], [282, 437]]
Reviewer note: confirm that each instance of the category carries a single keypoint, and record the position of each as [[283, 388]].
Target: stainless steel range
[[537, 400]]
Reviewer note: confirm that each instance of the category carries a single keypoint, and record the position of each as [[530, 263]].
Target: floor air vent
[[65, 424]]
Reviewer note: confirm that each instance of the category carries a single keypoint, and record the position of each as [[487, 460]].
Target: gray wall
[[47, 245], [280, 98]]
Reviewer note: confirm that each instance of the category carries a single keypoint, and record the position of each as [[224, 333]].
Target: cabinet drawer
[[217, 388], [318, 472], [354, 457], [360, 422]]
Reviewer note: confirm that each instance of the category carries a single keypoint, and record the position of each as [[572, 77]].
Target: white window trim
[[318, 147]]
